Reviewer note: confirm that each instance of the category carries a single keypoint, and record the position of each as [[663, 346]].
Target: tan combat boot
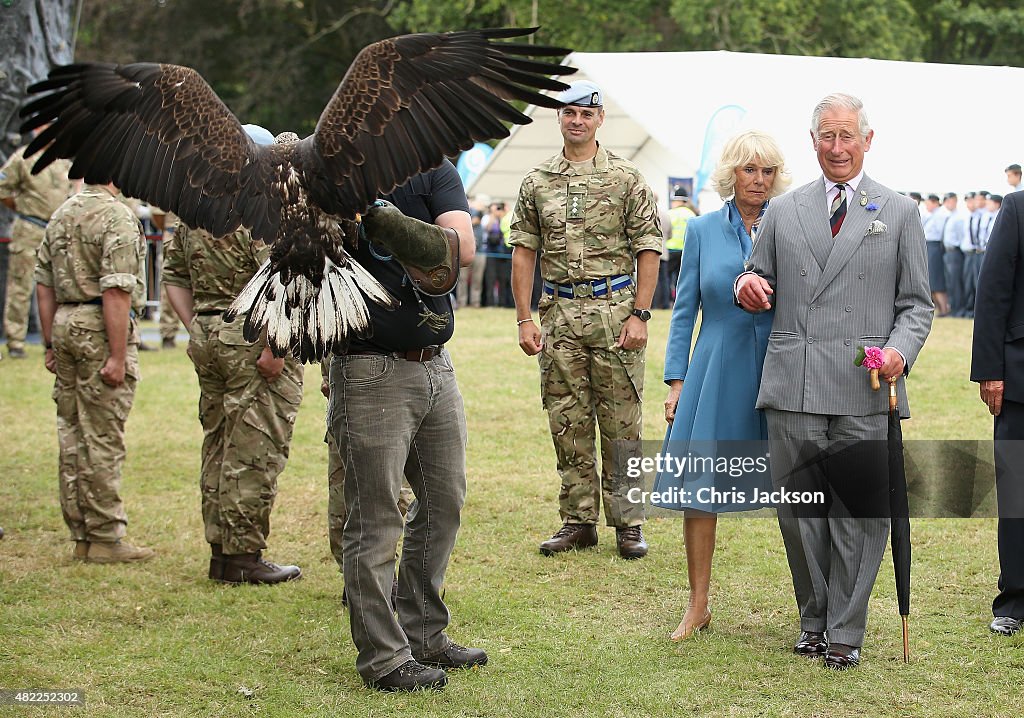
[[81, 550], [117, 552]]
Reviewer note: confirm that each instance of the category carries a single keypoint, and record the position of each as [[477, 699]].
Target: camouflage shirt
[[215, 269], [35, 195], [93, 243], [589, 219]]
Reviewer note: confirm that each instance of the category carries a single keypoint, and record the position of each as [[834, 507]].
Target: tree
[[855, 28], [970, 32]]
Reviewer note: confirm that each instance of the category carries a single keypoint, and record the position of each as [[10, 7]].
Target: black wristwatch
[[642, 314]]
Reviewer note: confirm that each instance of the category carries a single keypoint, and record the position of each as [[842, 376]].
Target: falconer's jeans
[[392, 418]]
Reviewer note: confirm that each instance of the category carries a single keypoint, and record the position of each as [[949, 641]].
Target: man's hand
[[112, 372], [992, 394], [753, 293], [269, 366], [674, 390], [633, 334], [892, 367], [530, 338], [50, 361], [325, 388]]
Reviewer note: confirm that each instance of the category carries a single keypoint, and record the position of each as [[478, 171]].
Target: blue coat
[[721, 379]]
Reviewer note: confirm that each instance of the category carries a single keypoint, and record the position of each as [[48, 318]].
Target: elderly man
[[843, 261], [33, 198], [594, 221]]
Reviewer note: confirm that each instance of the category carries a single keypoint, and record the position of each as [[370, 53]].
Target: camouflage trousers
[[247, 429], [169, 322], [586, 384], [90, 424], [337, 510], [20, 268]]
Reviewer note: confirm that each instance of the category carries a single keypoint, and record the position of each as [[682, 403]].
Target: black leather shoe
[[631, 542], [1005, 625], [411, 676], [569, 537], [456, 656], [811, 644], [839, 656], [252, 568]]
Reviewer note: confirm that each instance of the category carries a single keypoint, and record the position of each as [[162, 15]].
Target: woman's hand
[[674, 390]]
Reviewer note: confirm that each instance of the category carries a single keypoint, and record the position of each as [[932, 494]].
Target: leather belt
[[98, 301], [592, 288], [209, 313], [974, 251], [419, 355]]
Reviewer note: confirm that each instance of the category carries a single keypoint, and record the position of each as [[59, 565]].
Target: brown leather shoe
[[811, 644], [631, 542], [252, 568], [117, 552], [569, 537]]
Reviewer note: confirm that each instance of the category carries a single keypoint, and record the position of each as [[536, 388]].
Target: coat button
[[860, 276], [803, 273], [810, 340], [849, 309], [846, 342]]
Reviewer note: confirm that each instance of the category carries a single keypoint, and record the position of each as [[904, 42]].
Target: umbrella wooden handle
[[874, 379], [906, 640], [893, 399]]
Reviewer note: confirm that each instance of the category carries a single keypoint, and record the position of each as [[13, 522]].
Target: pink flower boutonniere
[[872, 359]]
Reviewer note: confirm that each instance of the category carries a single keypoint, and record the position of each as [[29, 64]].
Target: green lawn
[[578, 635]]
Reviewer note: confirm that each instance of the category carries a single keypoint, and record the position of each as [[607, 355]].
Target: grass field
[[576, 635]]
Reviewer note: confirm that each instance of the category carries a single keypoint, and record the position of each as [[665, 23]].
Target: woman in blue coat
[[712, 394]]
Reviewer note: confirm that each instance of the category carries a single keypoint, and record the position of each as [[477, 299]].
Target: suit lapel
[[813, 216], [847, 242]]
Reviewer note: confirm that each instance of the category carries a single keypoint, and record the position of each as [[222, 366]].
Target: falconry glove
[[428, 253]]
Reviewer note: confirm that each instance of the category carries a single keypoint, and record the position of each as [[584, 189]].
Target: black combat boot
[[251, 568]]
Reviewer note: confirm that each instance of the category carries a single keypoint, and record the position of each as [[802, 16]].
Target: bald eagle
[[161, 134]]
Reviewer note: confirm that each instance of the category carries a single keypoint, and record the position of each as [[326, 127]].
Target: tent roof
[[938, 127]]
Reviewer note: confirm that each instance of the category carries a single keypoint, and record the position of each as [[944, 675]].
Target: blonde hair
[[743, 149]]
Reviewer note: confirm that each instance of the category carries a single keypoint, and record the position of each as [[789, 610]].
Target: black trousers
[[1009, 455]]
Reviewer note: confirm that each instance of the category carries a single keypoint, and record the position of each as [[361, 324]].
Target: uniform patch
[[576, 204]]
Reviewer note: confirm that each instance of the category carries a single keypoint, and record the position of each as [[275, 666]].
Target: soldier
[[33, 198], [591, 215], [166, 222], [248, 397], [89, 279], [248, 402]]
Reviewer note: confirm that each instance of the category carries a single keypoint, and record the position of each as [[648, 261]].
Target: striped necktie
[[838, 211]]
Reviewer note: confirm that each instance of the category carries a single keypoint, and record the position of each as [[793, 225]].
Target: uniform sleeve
[[44, 261], [10, 176], [175, 269], [525, 226], [121, 265], [643, 225]]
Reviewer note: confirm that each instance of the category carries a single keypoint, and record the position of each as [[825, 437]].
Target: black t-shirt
[[425, 197]]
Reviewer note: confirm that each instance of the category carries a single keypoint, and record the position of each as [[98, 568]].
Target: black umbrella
[[900, 512]]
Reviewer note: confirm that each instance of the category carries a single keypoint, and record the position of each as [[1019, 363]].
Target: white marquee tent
[[938, 128]]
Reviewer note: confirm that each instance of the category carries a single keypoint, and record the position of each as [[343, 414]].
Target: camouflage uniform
[[247, 421], [36, 198], [337, 511], [169, 321], [589, 220], [93, 243]]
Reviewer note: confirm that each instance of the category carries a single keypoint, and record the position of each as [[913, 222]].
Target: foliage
[[972, 32]]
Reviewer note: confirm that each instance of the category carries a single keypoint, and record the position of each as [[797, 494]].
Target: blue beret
[[259, 135], [583, 93]]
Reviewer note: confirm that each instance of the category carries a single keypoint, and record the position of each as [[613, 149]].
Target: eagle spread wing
[[160, 133]]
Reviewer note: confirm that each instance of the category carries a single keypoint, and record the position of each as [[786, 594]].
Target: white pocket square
[[876, 227]]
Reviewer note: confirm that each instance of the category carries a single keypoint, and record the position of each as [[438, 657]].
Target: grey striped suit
[[832, 295]]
